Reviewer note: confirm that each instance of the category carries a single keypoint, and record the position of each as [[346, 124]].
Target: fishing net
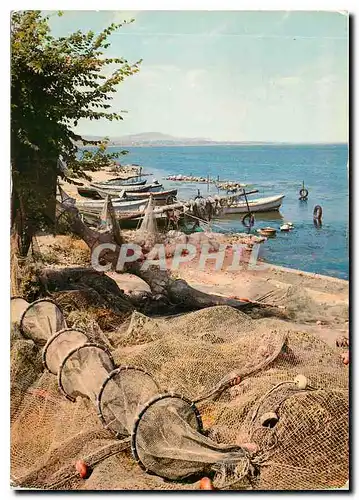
[[18, 305], [168, 441], [190, 392], [122, 395], [41, 319], [148, 230], [108, 220], [105, 218], [83, 371], [229, 364]]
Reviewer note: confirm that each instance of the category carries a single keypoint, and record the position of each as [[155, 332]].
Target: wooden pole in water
[[245, 197]]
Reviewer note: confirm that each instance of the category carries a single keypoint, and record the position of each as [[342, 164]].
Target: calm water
[[273, 170]]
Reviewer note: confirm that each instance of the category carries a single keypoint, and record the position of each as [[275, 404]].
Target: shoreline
[[103, 175]]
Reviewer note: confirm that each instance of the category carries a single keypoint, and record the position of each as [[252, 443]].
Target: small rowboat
[[258, 205], [160, 195], [267, 231], [119, 205], [92, 191], [116, 190], [88, 192], [117, 181]]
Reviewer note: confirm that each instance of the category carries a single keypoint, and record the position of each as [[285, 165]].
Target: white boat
[[95, 206], [258, 205], [118, 181], [112, 190]]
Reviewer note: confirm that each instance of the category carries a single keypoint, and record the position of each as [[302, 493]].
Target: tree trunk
[[33, 197]]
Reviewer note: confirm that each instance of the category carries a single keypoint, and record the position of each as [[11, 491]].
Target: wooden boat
[[119, 205], [119, 188], [159, 195], [118, 181], [267, 231], [114, 184], [88, 192], [116, 190], [258, 205]]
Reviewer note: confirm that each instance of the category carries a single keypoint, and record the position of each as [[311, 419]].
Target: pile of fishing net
[[249, 403]]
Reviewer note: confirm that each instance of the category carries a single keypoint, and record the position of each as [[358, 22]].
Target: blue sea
[[272, 169]]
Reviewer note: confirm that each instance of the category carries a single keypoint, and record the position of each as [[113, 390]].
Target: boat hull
[[119, 188], [270, 204], [159, 195], [95, 206], [121, 182], [150, 188], [87, 192]]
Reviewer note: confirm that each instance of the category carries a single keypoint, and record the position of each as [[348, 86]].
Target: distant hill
[[156, 138], [160, 139]]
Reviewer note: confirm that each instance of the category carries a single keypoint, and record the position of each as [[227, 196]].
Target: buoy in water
[[285, 228], [303, 193], [248, 220], [317, 213]]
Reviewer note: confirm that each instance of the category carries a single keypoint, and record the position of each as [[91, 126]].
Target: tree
[[92, 160], [55, 82]]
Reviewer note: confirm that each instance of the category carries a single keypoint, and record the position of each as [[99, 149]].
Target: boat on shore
[[269, 204], [118, 181], [116, 190], [119, 205], [157, 196], [88, 192]]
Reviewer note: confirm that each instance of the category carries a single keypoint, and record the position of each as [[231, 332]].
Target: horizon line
[[183, 139]]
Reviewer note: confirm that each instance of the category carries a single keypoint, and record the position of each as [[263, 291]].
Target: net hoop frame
[[49, 342], [68, 356], [136, 423], [14, 297], [115, 372], [29, 307]]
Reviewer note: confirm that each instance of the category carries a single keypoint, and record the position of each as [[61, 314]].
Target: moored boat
[[116, 190], [88, 192], [268, 204], [159, 195], [119, 205], [117, 181]]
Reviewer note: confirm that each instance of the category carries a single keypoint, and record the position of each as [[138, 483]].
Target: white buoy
[[301, 382], [285, 227]]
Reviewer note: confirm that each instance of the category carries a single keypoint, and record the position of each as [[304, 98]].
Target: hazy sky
[[246, 76]]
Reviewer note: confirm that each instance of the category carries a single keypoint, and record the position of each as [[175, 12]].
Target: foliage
[[55, 82], [92, 160]]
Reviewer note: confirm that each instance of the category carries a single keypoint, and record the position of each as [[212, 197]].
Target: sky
[[279, 76]]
